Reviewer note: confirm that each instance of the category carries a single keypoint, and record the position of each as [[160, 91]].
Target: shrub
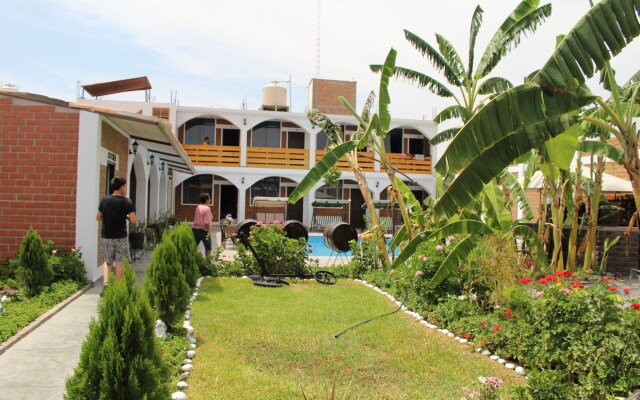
[[182, 237], [165, 284], [120, 358], [281, 255], [34, 270], [67, 265]]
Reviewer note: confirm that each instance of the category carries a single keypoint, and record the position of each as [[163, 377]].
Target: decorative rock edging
[[517, 369], [187, 363], [4, 346]]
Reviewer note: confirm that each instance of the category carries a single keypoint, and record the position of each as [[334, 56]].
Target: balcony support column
[[243, 147], [242, 202]]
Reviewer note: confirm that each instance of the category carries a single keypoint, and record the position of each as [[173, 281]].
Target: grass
[[268, 343]]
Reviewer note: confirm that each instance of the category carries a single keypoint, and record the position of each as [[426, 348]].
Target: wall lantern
[[162, 166], [242, 180], [151, 158], [244, 121], [377, 184], [134, 145]]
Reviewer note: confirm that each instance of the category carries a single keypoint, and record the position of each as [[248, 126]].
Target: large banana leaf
[[476, 23], [561, 149], [435, 58], [458, 254], [495, 214], [385, 99], [445, 135], [322, 167], [526, 17], [599, 35], [530, 236], [494, 85], [515, 188], [451, 112], [599, 148], [419, 79], [451, 55]]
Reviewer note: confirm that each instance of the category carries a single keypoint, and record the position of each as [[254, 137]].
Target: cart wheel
[[325, 277]]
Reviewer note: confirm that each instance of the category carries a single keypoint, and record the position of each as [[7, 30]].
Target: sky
[[221, 54]]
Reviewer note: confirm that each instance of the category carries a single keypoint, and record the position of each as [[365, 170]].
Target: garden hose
[[337, 335]]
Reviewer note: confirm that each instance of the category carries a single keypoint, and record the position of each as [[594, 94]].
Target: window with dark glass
[[197, 129], [321, 141], [231, 137], [393, 141], [193, 187], [295, 140], [266, 134], [267, 187], [416, 146]]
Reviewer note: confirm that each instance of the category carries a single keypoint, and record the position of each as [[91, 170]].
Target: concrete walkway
[[35, 363]]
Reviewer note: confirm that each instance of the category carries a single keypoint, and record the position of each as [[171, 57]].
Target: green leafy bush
[[120, 358], [173, 350], [164, 283], [281, 255], [34, 270], [67, 265], [182, 237], [20, 311]]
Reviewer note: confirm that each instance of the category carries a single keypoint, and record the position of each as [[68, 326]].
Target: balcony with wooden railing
[[409, 164], [207, 155], [366, 163], [271, 157]]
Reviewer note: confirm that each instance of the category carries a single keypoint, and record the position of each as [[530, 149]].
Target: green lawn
[[267, 343]]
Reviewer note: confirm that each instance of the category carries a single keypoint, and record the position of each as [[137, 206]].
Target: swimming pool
[[319, 249]]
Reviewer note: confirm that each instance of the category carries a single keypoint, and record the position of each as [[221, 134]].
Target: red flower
[[605, 280], [636, 306], [550, 278], [559, 272], [483, 323], [626, 290], [525, 281], [612, 288], [508, 313], [495, 328], [466, 335], [577, 285], [568, 274], [543, 281]]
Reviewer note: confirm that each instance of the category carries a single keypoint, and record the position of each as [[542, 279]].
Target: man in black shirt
[[114, 211]]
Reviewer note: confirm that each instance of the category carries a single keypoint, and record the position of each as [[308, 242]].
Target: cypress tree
[[164, 283], [182, 237], [120, 358], [35, 271]]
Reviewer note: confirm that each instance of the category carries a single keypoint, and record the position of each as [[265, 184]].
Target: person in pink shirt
[[202, 223]]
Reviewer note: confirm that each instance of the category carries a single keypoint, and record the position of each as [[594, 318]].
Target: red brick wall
[[38, 173], [326, 93]]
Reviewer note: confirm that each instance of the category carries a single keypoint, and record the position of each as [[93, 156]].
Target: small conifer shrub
[[164, 283], [182, 237], [34, 268], [121, 357]]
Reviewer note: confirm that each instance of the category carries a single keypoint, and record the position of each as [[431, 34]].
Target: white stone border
[[518, 369]]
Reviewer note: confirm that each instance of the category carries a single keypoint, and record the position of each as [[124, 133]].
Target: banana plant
[[496, 220], [471, 82], [377, 124], [526, 116]]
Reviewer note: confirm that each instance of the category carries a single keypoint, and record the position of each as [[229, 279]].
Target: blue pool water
[[318, 248]]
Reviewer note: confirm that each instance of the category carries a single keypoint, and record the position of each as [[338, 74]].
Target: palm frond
[[385, 99], [460, 253], [598, 36], [476, 22], [525, 18], [597, 147], [434, 57], [633, 80], [494, 85]]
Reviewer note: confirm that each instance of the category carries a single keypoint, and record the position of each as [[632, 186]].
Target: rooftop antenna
[[318, 38]]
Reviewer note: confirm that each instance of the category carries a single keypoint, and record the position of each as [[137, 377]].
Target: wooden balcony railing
[[343, 165], [207, 155], [271, 157], [409, 164]]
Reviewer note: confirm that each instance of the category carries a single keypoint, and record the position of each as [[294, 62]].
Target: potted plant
[[136, 235]]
